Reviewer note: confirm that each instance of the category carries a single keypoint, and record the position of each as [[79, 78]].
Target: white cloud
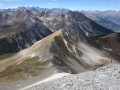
[[53, 3]]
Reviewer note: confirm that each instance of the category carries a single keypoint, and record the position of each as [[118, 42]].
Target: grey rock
[[20, 29], [104, 78]]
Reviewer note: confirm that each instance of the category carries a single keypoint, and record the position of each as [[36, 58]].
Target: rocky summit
[[105, 78]]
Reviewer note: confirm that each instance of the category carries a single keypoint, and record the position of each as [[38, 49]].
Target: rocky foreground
[[104, 78]]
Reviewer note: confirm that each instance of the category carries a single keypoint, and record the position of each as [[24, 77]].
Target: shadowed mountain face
[[75, 20], [20, 29]]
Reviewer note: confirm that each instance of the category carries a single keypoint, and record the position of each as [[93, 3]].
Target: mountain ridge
[[40, 24]]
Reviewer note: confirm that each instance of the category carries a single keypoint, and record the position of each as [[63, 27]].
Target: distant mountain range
[[109, 19], [38, 9]]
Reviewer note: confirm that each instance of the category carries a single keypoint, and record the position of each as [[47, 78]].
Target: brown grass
[[30, 67]]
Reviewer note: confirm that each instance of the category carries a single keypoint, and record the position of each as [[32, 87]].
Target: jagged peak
[[23, 10]]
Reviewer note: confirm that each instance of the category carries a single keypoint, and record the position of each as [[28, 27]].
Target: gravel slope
[[104, 78]]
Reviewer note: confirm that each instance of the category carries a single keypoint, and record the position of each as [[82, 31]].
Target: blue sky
[[69, 4]]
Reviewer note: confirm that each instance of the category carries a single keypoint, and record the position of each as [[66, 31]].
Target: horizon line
[[57, 8]]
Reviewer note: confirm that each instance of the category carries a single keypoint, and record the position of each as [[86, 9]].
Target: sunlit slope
[[62, 49], [40, 48], [28, 62]]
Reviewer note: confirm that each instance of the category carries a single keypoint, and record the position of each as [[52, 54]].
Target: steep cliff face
[[20, 29], [73, 51]]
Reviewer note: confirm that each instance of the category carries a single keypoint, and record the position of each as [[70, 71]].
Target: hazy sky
[[69, 4]]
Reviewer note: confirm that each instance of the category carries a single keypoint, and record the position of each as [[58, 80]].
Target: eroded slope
[[64, 50]]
